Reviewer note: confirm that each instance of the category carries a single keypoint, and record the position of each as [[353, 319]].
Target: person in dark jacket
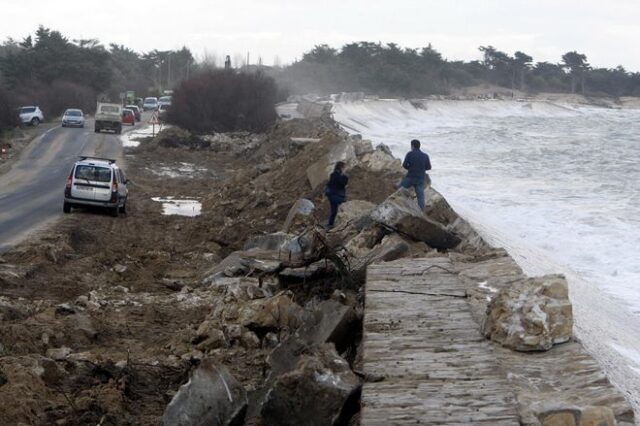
[[336, 190], [417, 163]]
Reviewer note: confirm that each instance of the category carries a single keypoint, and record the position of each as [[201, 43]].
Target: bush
[[8, 110], [55, 98], [223, 101]]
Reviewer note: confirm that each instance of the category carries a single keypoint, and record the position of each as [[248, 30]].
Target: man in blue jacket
[[417, 163]]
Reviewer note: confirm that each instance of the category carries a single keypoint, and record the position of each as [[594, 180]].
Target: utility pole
[[247, 59], [169, 72]]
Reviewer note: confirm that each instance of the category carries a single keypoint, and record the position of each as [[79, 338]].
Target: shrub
[[53, 99], [8, 110], [223, 101]]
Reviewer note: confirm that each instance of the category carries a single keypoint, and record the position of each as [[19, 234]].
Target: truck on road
[[108, 117]]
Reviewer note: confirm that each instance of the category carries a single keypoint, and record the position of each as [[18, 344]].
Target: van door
[[104, 185], [90, 182]]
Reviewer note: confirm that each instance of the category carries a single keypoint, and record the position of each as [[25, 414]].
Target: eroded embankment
[[252, 306]]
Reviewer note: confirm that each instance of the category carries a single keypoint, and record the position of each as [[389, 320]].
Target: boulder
[[331, 321], [313, 393], [561, 414], [362, 147], [300, 216], [391, 247], [272, 242], [353, 210], [274, 313], [401, 213], [381, 161], [318, 172], [530, 315], [212, 396]]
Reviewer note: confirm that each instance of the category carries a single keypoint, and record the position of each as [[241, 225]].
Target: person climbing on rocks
[[336, 191], [416, 163]]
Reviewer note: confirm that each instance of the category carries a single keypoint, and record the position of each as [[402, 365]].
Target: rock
[[274, 313], [250, 340], [438, 209], [173, 284], [84, 324], [332, 322], [65, 309], [362, 147], [318, 172], [272, 242], [381, 161], [384, 148], [297, 143], [209, 336], [597, 416], [391, 247], [270, 340], [120, 269], [313, 393], [353, 210], [401, 212], [58, 354], [313, 270], [212, 396], [82, 300], [300, 216], [560, 414], [531, 315]]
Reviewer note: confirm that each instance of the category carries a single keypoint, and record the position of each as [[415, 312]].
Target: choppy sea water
[[563, 179]]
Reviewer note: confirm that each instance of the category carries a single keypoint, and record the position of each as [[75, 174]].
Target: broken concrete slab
[[318, 172], [300, 216], [353, 210]]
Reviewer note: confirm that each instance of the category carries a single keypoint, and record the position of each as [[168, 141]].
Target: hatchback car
[[150, 104], [31, 115], [128, 117], [73, 118], [136, 111], [96, 182], [164, 100]]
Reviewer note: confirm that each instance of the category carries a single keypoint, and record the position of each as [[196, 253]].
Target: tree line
[[54, 72], [388, 69]]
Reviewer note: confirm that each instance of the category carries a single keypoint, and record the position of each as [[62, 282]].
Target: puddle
[[132, 138], [180, 170], [180, 207]]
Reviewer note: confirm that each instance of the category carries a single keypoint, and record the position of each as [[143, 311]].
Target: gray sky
[[608, 32]]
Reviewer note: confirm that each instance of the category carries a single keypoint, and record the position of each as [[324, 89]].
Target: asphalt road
[[31, 193]]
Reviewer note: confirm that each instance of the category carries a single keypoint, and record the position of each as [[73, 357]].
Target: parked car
[[73, 117], [164, 100], [136, 111], [31, 115], [150, 104], [128, 117], [162, 112], [96, 182]]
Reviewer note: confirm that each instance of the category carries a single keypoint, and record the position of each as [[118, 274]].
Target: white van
[[97, 182]]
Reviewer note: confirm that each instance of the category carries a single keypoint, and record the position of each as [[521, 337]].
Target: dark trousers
[[335, 201]]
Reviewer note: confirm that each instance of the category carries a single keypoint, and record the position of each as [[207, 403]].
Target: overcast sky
[[608, 32]]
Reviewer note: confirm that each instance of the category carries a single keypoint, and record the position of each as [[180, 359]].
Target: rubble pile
[[250, 313]]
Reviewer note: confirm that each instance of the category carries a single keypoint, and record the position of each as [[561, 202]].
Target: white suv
[[96, 182], [31, 115]]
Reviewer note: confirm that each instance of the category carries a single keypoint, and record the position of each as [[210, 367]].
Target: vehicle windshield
[[109, 108], [27, 109], [73, 113], [150, 101], [93, 173], [166, 99], [127, 112]]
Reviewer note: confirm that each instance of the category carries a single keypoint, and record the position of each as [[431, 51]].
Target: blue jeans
[[418, 185]]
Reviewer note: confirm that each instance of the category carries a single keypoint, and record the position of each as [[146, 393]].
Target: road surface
[[31, 193]]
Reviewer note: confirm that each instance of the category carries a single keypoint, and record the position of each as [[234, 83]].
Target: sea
[[556, 184]]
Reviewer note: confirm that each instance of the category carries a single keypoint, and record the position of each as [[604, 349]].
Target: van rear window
[[109, 108], [93, 173]]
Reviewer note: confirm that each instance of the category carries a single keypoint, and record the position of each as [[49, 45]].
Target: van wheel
[[95, 129], [115, 211], [66, 207]]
